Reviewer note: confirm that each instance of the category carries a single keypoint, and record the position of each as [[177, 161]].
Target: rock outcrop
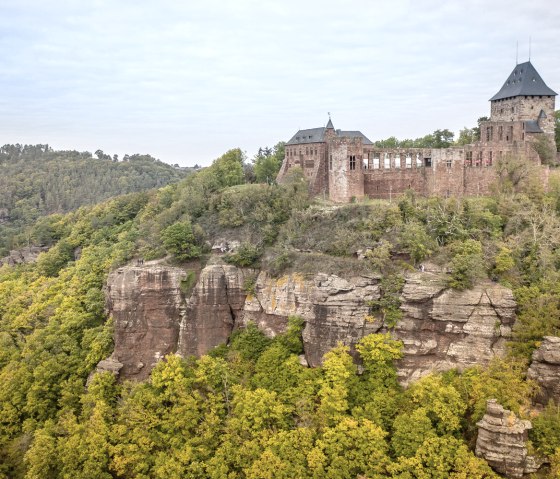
[[545, 370], [502, 442], [146, 305], [211, 311], [154, 318], [334, 309], [28, 254], [440, 329], [444, 328]]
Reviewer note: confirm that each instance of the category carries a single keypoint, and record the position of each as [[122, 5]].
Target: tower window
[[352, 162], [448, 162], [330, 162]]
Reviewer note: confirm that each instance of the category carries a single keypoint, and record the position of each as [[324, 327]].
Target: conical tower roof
[[524, 80], [330, 126]]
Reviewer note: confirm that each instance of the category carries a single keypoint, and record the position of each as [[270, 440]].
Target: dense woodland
[[36, 180], [250, 410]]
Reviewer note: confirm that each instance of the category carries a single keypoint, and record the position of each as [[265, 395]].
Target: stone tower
[[345, 164], [521, 110]]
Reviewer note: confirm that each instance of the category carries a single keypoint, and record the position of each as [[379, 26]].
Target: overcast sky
[[187, 80]]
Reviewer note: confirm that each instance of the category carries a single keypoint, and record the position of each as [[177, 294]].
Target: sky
[[185, 81]]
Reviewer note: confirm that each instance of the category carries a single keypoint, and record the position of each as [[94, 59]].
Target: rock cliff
[[28, 254], [502, 442], [440, 329], [545, 370]]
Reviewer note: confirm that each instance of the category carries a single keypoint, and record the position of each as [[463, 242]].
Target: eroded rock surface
[[146, 305], [212, 309], [28, 254], [443, 328], [502, 442], [334, 309], [545, 370], [440, 329]]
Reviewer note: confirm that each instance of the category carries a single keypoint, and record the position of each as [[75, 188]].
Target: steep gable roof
[[523, 80], [312, 135], [317, 135]]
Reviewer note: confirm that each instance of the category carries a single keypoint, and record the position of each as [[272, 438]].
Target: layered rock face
[[146, 305], [545, 370], [334, 309], [443, 328], [153, 318], [501, 441], [23, 255], [211, 311], [440, 329]]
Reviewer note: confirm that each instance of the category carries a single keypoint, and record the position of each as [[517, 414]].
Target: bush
[[247, 255], [178, 239], [467, 263]]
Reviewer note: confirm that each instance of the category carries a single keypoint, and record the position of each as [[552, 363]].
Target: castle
[[345, 164]]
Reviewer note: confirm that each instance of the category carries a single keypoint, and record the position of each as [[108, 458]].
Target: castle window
[[418, 161], [306, 150], [352, 159], [397, 161], [448, 162], [408, 161], [511, 133], [428, 162], [330, 162], [489, 163], [365, 162], [376, 161], [387, 161], [468, 158], [489, 133]]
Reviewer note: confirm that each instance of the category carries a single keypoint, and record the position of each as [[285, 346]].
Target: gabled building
[[345, 164]]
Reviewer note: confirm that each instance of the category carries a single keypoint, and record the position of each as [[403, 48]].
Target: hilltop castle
[[346, 164]]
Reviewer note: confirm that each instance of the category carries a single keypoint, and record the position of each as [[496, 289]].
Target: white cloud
[[186, 81]]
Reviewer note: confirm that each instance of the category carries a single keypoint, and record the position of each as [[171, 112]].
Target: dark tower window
[[468, 158], [352, 162], [330, 162]]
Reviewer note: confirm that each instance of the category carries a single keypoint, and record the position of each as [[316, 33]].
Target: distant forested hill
[[36, 180]]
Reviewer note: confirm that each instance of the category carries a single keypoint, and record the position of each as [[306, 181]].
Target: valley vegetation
[[249, 410]]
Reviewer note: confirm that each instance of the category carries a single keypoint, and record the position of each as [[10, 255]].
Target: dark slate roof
[[317, 135], [330, 126], [523, 80], [532, 127], [313, 135], [355, 134]]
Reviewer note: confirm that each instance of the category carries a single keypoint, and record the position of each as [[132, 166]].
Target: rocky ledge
[[502, 442], [545, 370], [155, 314]]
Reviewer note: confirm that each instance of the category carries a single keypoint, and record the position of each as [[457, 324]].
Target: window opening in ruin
[[352, 162], [365, 162], [468, 158], [408, 161], [397, 161], [448, 162], [376, 162], [490, 158], [489, 133], [428, 162], [478, 161], [418, 161], [387, 161]]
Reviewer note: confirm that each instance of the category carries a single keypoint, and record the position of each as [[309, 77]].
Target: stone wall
[[345, 164]]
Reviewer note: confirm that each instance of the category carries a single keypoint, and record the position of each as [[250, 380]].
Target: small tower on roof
[[330, 132]]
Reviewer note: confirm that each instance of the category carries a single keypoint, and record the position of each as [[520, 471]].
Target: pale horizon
[[185, 82]]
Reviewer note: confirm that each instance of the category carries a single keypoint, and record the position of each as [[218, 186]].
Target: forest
[[36, 180], [249, 409]]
